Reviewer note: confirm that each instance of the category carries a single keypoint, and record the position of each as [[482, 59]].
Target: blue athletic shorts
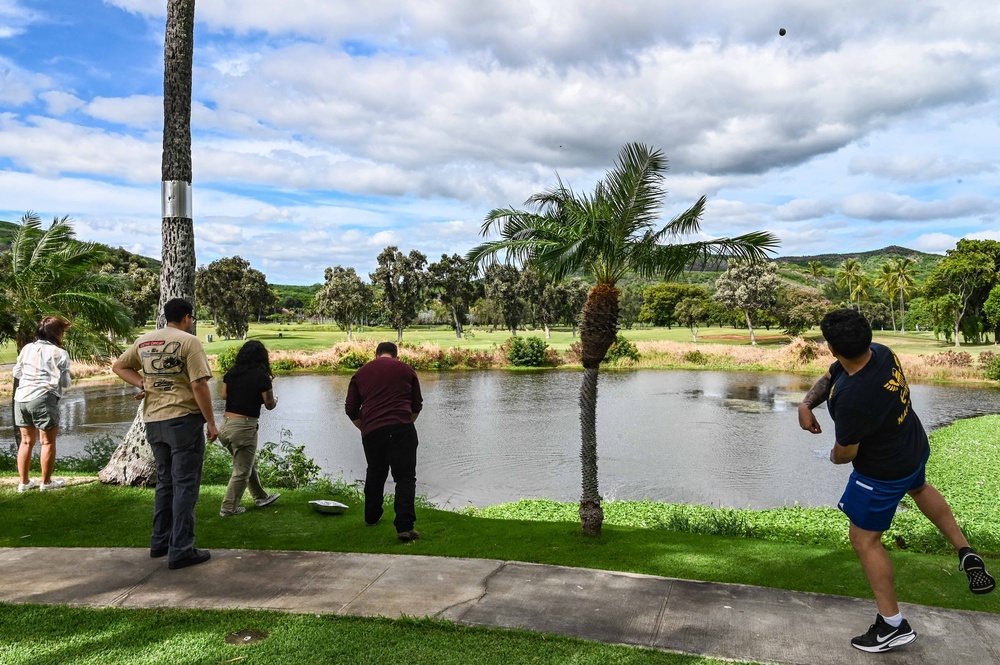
[[871, 504]]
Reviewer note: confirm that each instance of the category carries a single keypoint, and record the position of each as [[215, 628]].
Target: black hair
[[386, 347], [51, 329], [252, 355], [847, 332], [176, 309]]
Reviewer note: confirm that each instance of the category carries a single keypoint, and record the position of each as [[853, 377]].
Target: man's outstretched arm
[[816, 396]]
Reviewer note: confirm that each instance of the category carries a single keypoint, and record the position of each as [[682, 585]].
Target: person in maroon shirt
[[383, 401]]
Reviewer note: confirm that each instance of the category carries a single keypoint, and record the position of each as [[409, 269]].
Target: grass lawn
[[784, 554], [312, 337], [42, 634]]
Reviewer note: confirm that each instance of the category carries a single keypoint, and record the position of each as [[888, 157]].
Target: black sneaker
[[882, 637], [196, 557], [980, 581]]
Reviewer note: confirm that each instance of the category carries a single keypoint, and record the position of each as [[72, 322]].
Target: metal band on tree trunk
[[175, 199]]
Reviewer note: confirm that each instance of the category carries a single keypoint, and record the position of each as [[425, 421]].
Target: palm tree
[[608, 234], [886, 280], [903, 268], [49, 273], [132, 463], [816, 269], [848, 274]]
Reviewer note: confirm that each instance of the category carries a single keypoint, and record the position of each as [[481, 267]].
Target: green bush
[[695, 357], [621, 349], [282, 365], [227, 358], [279, 464], [352, 360], [286, 465], [992, 368], [96, 454], [525, 351]]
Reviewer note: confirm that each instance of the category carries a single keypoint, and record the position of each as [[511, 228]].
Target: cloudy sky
[[324, 130]]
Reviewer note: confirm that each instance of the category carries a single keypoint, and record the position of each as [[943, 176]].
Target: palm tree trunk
[[132, 463], [902, 314], [598, 329], [591, 513]]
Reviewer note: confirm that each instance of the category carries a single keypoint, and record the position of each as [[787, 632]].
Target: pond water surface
[[715, 438]]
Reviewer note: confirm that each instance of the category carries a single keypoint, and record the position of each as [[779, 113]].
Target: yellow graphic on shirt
[[898, 384]]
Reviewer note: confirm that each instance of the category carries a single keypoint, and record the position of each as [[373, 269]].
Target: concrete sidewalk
[[720, 620]]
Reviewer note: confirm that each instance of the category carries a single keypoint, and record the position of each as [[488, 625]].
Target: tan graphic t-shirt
[[170, 360]]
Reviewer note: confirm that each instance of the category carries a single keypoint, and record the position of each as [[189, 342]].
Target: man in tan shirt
[[171, 371]]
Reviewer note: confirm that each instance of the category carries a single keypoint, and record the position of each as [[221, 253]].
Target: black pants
[[391, 447], [179, 450]]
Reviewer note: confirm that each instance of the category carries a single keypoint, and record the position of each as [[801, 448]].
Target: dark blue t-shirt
[[873, 408]]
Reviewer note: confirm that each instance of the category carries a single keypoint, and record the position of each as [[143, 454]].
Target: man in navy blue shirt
[[383, 401], [879, 433]]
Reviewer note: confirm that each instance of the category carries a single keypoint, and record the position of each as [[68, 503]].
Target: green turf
[[38, 635]]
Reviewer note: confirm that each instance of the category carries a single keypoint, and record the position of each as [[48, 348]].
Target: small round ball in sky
[[782, 32]]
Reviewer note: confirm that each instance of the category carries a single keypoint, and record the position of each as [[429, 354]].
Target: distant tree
[[797, 310], [576, 291], [991, 310], [944, 312], [231, 290], [816, 269], [141, 291], [451, 278], [962, 272], [504, 287], [691, 312], [486, 313], [903, 269], [886, 280], [344, 298], [748, 286], [659, 302], [402, 280], [849, 274], [293, 303], [630, 305]]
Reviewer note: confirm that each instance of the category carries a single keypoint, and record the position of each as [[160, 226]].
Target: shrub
[[992, 368], [283, 365], [286, 465], [621, 349], [525, 351], [227, 358], [695, 357], [950, 359], [986, 359], [96, 454], [352, 360]]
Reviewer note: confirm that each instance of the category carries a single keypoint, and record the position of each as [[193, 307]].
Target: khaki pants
[[239, 437]]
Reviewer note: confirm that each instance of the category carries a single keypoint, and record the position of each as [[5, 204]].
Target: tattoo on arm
[[818, 393]]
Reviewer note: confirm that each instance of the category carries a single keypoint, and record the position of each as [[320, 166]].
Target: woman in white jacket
[[42, 371]]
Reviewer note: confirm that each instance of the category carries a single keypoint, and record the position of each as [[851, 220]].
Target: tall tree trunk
[[349, 337], [598, 329], [902, 314], [753, 338], [458, 322], [548, 332], [132, 463], [399, 335]]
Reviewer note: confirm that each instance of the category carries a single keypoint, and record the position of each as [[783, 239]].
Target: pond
[[486, 437]]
